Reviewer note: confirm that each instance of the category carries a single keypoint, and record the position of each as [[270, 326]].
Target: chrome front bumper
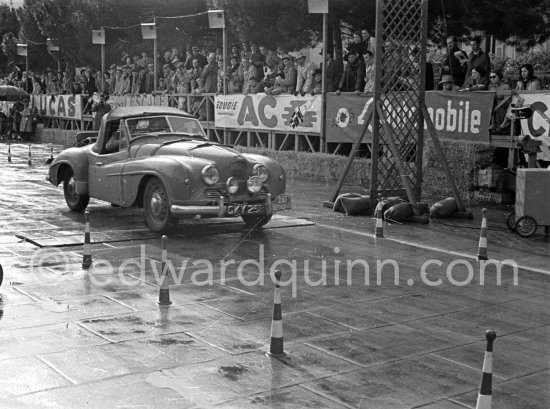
[[281, 202]]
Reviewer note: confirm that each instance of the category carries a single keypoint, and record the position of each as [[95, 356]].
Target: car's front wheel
[[254, 220], [76, 203], [157, 207]]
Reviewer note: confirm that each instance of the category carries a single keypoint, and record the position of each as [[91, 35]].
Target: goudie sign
[[266, 112]]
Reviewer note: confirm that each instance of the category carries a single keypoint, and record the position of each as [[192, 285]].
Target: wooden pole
[[323, 142], [155, 56], [102, 65], [224, 62]]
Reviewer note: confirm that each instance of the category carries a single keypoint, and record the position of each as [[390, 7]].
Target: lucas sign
[[285, 113], [60, 106]]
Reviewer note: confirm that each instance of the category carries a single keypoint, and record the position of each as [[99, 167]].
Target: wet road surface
[[74, 338]]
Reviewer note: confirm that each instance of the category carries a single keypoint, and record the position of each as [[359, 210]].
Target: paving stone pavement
[[72, 338]]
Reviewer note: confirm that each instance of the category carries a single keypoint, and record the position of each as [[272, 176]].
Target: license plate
[[240, 209]]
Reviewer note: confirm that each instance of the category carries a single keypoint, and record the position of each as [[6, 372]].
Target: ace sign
[[266, 112]]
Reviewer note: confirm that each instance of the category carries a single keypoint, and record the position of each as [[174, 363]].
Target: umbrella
[[11, 93]]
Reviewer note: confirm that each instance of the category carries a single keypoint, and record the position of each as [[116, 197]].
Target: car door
[[105, 168]]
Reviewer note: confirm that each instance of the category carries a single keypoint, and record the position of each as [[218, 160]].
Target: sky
[[15, 3]]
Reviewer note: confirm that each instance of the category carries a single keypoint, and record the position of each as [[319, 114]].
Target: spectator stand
[[61, 129]]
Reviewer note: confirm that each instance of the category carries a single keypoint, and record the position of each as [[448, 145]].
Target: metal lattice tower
[[398, 124]]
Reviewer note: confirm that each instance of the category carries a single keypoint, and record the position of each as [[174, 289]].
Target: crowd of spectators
[[252, 68]]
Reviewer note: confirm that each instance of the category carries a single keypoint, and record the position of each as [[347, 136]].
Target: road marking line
[[431, 248]]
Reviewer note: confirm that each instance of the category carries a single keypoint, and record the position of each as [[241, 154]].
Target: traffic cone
[[379, 231], [50, 160], [30, 157], [482, 248], [164, 293], [87, 257], [276, 348], [485, 396], [9, 152]]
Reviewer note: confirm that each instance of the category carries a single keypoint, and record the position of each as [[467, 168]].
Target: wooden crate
[[533, 194]]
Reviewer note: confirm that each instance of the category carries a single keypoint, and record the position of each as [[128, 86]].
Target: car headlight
[[210, 174], [232, 185], [260, 171], [254, 184]]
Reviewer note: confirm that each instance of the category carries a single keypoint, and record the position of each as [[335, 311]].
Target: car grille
[[238, 170], [216, 193]]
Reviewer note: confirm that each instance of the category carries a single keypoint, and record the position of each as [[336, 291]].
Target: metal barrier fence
[[202, 106]]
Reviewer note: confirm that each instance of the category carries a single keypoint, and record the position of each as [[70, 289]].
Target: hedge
[[463, 159]]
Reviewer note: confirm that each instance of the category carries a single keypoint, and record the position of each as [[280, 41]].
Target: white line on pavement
[[440, 250]]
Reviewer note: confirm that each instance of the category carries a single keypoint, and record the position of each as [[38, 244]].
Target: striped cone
[[276, 348], [164, 293], [9, 152], [379, 231], [87, 256], [482, 248], [485, 396], [30, 157]]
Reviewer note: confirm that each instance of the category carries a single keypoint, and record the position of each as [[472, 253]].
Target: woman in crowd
[[477, 81], [527, 80]]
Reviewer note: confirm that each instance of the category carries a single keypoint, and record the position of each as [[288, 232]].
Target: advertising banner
[[346, 114], [58, 106], [266, 112], [538, 125], [455, 115], [137, 100]]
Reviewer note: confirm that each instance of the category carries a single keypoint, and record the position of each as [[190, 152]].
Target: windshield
[[164, 124]]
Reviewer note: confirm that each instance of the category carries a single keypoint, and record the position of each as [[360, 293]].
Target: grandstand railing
[[202, 107]]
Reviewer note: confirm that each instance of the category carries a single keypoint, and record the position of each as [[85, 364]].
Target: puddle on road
[[170, 341], [232, 372]]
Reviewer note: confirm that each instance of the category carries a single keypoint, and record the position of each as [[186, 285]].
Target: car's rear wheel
[[76, 203], [254, 220], [156, 207], [1, 274]]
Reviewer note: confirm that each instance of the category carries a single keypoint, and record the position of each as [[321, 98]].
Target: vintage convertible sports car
[[159, 158]]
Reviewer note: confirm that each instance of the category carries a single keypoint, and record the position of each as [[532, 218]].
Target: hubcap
[[71, 186], [156, 204]]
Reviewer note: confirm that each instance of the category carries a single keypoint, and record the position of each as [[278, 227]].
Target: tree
[[9, 49], [71, 23], [271, 22], [8, 26], [521, 22]]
